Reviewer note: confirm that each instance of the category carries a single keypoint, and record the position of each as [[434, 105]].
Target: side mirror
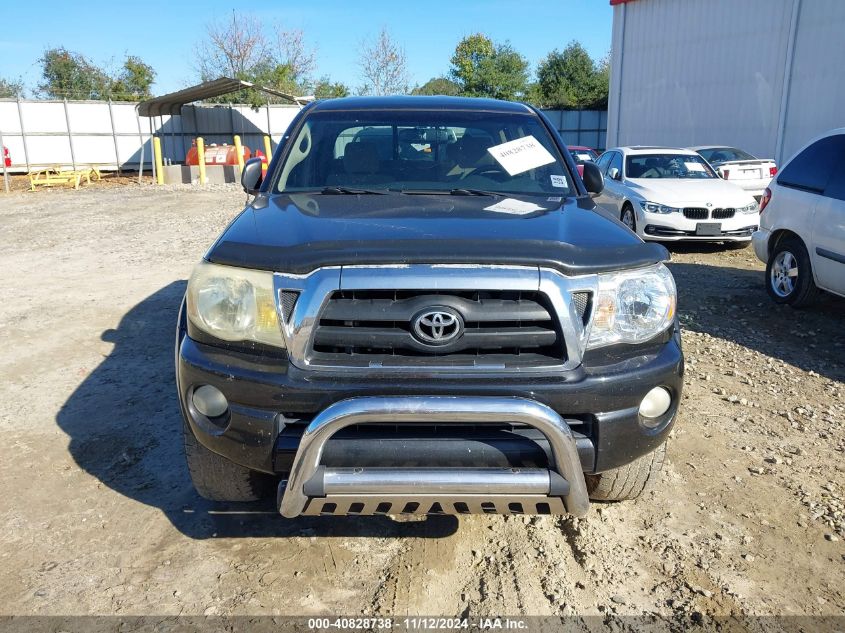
[[251, 176], [613, 173], [593, 180]]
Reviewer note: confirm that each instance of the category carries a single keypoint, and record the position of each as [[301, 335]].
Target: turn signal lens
[[633, 306], [765, 199]]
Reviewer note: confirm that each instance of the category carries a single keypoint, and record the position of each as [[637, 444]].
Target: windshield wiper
[[447, 192], [473, 192], [335, 191]]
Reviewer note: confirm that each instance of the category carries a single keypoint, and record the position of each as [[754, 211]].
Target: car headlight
[[234, 304], [632, 306], [749, 208], [656, 207]]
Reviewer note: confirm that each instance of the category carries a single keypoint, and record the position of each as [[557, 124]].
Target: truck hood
[[677, 192], [298, 233]]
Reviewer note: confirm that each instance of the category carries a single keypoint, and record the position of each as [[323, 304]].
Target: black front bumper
[[271, 401]]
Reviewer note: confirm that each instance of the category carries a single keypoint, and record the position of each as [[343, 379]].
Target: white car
[[741, 168], [802, 224], [668, 194]]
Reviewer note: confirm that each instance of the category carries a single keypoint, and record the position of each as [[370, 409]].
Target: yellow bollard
[[201, 159], [157, 157], [239, 150], [268, 149]]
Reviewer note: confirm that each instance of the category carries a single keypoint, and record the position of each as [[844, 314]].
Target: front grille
[[723, 214], [288, 299], [501, 329], [695, 213]]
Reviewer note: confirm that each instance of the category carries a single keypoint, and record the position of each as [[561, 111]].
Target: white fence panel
[[112, 135]]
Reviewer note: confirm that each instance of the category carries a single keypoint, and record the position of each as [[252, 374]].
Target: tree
[[326, 89], [10, 89], [484, 69], [68, 75], [296, 54], [383, 66], [438, 86], [233, 48], [571, 79], [134, 82], [239, 47]]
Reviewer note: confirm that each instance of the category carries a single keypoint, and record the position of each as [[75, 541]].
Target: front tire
[[789, 274], [219, 479], [628, 217], [629, 481]]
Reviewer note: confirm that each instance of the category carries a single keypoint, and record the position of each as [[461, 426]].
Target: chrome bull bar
[[314, 489]]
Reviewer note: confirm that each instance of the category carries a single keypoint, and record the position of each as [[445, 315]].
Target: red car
[[7, 159], [581, 153]]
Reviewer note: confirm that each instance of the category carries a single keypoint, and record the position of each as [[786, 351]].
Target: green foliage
[[438, 86], [572, 79], [68, 75], [11, 89], [484, 69], [326, 89], [134, 82]]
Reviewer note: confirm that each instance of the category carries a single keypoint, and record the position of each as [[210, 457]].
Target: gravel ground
[[99, 516]]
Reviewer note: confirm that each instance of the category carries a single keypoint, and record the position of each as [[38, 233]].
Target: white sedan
[[741, 168], [667, 194]]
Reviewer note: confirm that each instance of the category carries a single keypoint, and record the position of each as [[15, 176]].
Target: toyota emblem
[[437, 326]]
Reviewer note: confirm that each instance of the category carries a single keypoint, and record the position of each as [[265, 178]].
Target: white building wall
[[763, 75]]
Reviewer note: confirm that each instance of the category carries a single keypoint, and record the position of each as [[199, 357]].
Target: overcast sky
[[163, 33]]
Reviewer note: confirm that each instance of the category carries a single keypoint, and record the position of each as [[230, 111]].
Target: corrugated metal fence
[[113, 136], [581, 127]]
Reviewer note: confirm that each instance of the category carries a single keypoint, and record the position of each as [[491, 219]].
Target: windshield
[[420, 152], [583, 155], [667, 166], [724, 154]]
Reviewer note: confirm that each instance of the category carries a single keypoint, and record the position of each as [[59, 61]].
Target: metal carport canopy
[[172, 103]]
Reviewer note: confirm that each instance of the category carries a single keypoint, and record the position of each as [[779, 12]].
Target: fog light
[[655, 404], [210, 401]]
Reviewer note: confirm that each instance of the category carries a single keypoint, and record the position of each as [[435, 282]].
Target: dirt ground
[[99, 517]]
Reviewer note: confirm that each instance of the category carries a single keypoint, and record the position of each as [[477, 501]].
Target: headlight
[[234, 304], [750, 208], [633, 306], [656, 207]]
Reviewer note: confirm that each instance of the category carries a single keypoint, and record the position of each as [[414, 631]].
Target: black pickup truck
[[423, 311]]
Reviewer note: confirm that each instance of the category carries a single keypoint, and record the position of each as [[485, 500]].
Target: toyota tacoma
[[422, 310]]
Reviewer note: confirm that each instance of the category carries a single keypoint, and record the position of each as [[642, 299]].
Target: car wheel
[[789, 274], [629, 481], [218, 479], [628, 218]]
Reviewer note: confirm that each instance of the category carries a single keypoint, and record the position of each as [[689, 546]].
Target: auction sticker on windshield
[[521, 155], [517, 207]]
